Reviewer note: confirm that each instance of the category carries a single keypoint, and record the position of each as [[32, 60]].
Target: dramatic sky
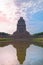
[[31, 10]]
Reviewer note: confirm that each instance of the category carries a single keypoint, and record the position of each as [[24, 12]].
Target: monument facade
[[21, 30], [21, 26]]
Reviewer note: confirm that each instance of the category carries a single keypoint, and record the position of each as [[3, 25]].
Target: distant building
[[21, 30]]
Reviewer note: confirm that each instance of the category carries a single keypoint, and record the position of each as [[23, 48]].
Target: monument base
[[24, 35]]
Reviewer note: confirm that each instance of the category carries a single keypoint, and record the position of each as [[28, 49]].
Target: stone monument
[[21, 32]]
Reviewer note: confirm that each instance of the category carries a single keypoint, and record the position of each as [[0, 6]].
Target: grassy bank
[[35, 41], [38, 41], [6, 39]]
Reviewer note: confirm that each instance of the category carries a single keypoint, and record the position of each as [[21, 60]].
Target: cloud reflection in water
[[34, 56], [8, 55]]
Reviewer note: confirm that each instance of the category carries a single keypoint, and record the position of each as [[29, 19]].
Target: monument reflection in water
[[21, 50], [22, 38], [22, 41], [8, 56]]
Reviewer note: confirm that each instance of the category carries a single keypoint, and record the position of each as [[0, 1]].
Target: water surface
[[8, 56], [34, 56]]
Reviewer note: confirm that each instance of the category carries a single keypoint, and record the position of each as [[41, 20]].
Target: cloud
[[13, 9], [16, 8], [29, 6], [3, 18], [8, 19], [8, 7]]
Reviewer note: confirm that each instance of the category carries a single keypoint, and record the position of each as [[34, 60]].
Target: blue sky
[[30, 10], [38, 16], [36, 22]]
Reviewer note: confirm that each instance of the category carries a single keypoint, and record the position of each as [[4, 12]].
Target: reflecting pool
[[33, 55]]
